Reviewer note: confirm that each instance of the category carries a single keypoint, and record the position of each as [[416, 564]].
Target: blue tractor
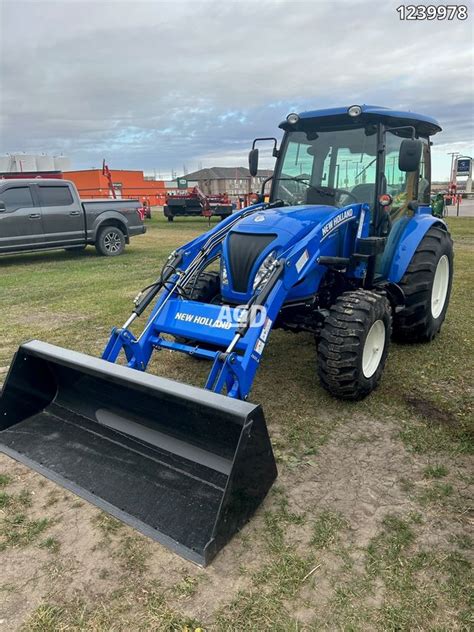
[[345, 247]]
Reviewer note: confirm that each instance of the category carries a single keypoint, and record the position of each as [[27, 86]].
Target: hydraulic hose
[[152, 290], [171, 266]]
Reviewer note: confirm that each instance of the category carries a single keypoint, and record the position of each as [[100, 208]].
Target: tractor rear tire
[[354, 343], [427, 288]]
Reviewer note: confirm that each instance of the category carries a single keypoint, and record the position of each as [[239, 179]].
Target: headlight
[[224, 275], [292, 118], [264, 270]]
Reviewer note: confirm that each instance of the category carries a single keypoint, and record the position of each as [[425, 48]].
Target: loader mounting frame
[[240, 343]]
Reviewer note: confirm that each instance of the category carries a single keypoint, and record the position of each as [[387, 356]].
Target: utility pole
[[453, 154]]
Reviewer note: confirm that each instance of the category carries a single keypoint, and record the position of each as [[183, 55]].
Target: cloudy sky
[[165, 86]]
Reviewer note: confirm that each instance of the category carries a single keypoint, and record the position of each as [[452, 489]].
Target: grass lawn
[[367, 527]]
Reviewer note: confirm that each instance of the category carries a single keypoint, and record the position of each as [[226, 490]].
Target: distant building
[[127, 184], [235, 181]]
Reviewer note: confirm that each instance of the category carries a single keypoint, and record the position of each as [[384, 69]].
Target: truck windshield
[[335, 167]]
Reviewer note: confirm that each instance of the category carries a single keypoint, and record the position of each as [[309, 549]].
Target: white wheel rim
[[373, 348], [440, 286]]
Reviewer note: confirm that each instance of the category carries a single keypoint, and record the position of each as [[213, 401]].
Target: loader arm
[[240, 336]]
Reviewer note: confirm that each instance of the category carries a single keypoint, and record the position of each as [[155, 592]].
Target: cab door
[[21, 225], [63, 217]]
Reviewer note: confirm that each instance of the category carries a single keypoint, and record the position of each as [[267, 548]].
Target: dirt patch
[[430, 412], [33, 574], [91, 563], [359, 476]]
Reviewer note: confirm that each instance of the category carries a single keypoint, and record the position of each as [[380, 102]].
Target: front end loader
[[346, 248]]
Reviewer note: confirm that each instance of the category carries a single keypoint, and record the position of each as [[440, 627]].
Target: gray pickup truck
[[42, 214]]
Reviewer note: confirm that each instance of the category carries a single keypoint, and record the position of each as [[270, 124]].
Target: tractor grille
[[244, 249]]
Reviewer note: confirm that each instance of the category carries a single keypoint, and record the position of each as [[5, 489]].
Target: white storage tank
[[5, 163], [24, 162], [45, 163], [62, 163]]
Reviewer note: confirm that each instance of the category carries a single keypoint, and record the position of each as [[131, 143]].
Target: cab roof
[[424, 125]]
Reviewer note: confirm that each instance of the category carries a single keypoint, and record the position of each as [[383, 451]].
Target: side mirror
[[3, 208], [410, 154], [253, 162]]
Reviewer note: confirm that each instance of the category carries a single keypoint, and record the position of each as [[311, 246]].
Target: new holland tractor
[[346, 248]]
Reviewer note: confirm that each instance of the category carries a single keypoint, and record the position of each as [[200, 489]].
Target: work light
[[354, 110], [292, 118]]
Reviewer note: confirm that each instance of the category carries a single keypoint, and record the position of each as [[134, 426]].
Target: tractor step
[[182, 465]]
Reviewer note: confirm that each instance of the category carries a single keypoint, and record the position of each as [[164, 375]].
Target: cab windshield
[[335, 167]]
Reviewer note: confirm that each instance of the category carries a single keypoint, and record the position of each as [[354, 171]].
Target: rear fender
[[113, 218], [411, 236]]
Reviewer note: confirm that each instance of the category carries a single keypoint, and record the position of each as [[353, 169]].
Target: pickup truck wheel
[[354, 344], [110, 241]]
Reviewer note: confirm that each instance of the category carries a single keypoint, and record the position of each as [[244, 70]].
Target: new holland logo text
[[203, 320], [336, 221], [228, 317]]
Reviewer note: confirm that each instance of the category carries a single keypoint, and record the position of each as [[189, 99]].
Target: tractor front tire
[[205, 288], [427, 287], [354, 343]]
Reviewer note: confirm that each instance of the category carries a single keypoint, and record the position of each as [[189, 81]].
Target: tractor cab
[[355, 155]]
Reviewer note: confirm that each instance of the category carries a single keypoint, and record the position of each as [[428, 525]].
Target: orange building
[[91, 183]]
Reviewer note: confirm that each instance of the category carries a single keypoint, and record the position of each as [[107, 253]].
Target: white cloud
[[156, 84]]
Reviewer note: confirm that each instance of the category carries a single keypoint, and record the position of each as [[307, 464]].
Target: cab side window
[[16, 197], [55, 196], [402, 186], [396, 179], [425, 174]]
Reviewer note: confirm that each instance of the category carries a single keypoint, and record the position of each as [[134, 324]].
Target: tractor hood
[[288, 223], [265, 234]]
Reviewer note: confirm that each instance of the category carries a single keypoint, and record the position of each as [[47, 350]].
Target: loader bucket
[[183, 465]]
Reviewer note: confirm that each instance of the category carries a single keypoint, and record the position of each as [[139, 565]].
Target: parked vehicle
[[347, 248], [44, 214], [197, 204]]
